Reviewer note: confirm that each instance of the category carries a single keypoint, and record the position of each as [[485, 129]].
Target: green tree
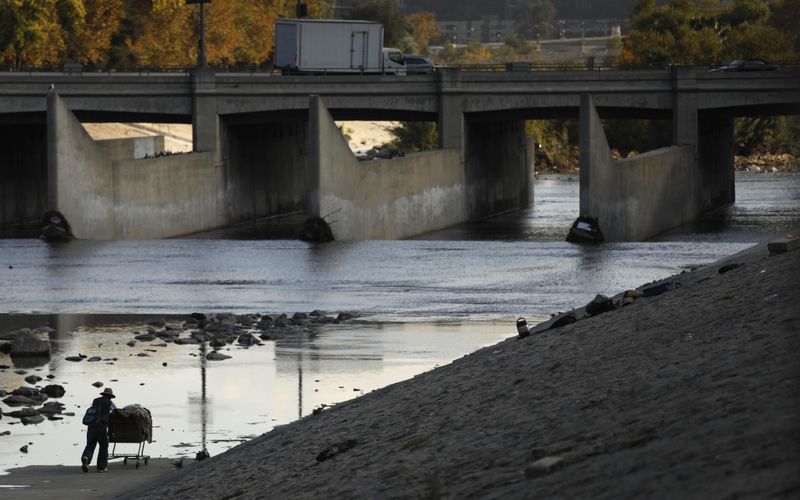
[[684, 32], [386, 12], [745, 12], [34, 35], [534, 19], [557, 142], [516, 44], [785, 16], [758, 41], [412, 137]]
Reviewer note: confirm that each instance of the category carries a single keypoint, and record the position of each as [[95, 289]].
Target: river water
[[423, 303]]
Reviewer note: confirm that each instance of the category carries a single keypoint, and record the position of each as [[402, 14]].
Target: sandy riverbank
[[693, 393]]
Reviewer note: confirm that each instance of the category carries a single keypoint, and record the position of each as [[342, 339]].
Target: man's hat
[[108, 392]]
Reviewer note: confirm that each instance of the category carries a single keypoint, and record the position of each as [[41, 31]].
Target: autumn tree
[[32, 35], [89, 35], [423, 29], [685, 32], [476, 53], [165, 32], [168, 35]]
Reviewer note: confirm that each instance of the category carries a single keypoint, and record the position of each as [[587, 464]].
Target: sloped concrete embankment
[[689, 394]]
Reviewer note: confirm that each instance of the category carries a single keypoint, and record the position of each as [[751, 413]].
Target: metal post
[[201, 55]]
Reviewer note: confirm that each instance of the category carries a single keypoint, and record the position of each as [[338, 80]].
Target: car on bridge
[[747, 65], [417, 64]]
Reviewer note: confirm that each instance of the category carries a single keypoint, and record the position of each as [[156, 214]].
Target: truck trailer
[[327, 46]]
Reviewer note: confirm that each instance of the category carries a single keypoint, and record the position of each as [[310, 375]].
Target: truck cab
[[393, 62]]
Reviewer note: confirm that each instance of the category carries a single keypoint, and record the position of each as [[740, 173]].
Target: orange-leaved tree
[[423, 29]]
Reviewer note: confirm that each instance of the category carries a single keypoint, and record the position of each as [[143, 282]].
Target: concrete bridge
[[266, 145]]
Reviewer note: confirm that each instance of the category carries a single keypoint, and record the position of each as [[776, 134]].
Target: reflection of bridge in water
[[267, 145]]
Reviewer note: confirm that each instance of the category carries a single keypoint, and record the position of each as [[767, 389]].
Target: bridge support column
[[711, 135], [452, 126], [267, 161], [498, 167], [715, 160], [205, 120], [684, 107]]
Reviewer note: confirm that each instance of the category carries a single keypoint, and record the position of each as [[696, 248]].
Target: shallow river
[[424, 302]]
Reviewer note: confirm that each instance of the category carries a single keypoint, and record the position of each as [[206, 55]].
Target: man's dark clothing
[[97, 433]]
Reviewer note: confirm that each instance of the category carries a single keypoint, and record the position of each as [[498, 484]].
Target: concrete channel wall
[[105, 193], [137, 147], [168, 196], [381, 199], [639, 197], [80, 180]]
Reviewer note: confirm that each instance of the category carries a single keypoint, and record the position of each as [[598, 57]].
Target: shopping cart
[[130, 425]]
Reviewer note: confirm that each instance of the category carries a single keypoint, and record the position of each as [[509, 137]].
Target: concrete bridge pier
[[205, 118], [715, 150], [496, 155], [452, 125], [498, 166], [711, 133], [266, 164]]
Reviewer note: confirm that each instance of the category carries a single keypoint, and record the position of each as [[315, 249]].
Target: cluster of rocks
[[35, 404], [25, 342], [224, 329], [249, 329]]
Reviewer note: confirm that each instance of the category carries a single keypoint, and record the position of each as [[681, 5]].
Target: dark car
[[418, 65], [748, 65]]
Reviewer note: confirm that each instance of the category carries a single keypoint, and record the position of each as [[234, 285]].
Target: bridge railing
[[77, 69], [581, 65], [528, 67], [267, 68]]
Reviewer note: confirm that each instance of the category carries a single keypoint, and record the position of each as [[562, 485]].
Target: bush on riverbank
[[767, 162]]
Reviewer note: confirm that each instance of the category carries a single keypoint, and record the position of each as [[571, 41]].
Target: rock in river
[[54, 390], [216, 356]]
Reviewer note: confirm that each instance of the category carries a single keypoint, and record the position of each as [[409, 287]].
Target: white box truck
[[327, 46]]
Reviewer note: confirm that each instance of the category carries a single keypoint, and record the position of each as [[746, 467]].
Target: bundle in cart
[[132, 424]]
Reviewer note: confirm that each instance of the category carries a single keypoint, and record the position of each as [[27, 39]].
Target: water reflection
[[199, 404]]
